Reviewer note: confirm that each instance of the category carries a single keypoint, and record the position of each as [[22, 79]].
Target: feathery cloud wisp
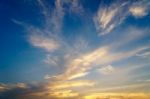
[[107, 70], [109, 17], [138, 11], [44, 42]]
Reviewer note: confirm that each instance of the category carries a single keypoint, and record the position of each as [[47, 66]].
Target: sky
[[74, 49]]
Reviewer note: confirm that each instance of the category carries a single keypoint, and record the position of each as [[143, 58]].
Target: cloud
[[69, 84], [76, 7], [61, 91], [129, 35], [107, 18], [78, 75], [13, 91], [52, 60], [78, 66], [117, 95], [62, 94], [110, 17], [145, 54], [52, 90], [53, 19], [3, 87], [57, 16], [48, 44], [106, 70], [47, 37], [20, 85], [147, 80], [138, 11], [124, 88]]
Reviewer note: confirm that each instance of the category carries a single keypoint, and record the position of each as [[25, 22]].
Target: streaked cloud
[[145, 54], [78, 75], [79, 66], [138, 11], [76, 7], [69, 84], [51, 60], [7, 87], [107, 18], [118, 95], [3, 87], [125, 88], [63, 94], [110, 17], [43, 42], [146, 80], [21, 85], [106, 70]]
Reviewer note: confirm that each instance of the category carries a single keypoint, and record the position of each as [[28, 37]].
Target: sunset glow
[[75, 49]]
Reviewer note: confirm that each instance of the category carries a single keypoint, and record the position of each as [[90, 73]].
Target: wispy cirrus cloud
[[138, 11], [144, 54], [46, 43], [52, 60], [3, 87], [109, 17], [107, 70], [70, 84]]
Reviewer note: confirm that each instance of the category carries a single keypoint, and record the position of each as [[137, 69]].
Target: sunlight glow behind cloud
[[102, 56]]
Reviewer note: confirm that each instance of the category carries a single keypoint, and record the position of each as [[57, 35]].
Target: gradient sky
[[74, 49]]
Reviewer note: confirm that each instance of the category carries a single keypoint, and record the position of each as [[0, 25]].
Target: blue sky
[[74, 47]]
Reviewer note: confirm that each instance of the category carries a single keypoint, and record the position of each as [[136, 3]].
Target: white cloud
[[6, 87], [109, 17], [144, 54], [43, 42], [3, 87], [21, 85], [76, 7], [51, 60], [138, 11], [70, 84], [107, 70], [78, 75]]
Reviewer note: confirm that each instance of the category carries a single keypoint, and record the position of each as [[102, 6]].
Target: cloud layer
[[84, 65]]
